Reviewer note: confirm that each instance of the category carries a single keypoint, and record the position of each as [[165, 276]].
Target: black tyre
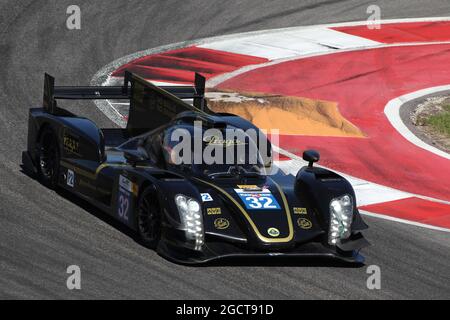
[[149, 218], [48, 157]]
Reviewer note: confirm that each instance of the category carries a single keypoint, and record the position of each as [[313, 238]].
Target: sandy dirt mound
[[291, 115]]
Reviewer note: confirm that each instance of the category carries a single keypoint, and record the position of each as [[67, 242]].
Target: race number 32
[[124, 199], [263, 200], [123, 206], [261, 203]]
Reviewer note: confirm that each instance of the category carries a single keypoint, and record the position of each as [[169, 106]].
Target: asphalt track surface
[[42, 232]]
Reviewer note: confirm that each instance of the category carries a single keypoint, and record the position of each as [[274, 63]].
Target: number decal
[[269, 203], [123, 206], [258, 200], [70, 178], [261, 202], [126, 190], [253, 202], [206, 197]]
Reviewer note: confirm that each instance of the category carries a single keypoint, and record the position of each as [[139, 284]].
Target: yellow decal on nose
[[213, 211], [298, 210]]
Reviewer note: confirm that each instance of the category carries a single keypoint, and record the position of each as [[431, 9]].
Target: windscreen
[[228, 151]]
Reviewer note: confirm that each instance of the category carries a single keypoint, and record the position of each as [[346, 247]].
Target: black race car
[[191, 211]]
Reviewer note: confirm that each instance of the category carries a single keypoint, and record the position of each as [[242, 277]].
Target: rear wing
[[150, 105]]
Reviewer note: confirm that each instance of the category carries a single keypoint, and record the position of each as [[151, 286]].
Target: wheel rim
[[148, 219]]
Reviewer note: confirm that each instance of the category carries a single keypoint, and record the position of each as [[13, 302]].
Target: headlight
[[191, 218], [341, 216]]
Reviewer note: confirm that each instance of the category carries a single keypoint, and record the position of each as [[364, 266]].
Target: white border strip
[[103, 74], [412, 223], [392, 112]]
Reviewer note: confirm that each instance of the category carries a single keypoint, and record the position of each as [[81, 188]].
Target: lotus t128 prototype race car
[[174, 193]]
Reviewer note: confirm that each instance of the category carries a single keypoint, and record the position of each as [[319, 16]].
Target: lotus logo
[[221, 223], [304, 223], [273, 232]]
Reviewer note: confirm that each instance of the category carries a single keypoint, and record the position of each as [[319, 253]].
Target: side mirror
[[311, 156], [134, 157]]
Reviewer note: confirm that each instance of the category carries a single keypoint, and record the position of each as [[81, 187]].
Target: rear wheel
[[48, 157], [149, 218]]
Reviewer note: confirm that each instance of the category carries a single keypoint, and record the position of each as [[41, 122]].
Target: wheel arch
[[318, 186]]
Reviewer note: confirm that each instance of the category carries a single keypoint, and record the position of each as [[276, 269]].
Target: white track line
[[412, 223]]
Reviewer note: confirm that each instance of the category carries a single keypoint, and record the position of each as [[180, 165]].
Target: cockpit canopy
[[212, 150], [205, 150]]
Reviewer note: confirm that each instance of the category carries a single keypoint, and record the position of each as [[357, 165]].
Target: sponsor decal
[[206, 197], [219, 141], [125, 198], [273, 232], [70, 178], [126, 184], [71, 144], [304, 223], [298, 210], [249, 187], [258, 200], [221, 223], [213, 211]]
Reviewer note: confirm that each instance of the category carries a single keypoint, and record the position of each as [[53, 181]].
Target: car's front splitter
[[225, 252]]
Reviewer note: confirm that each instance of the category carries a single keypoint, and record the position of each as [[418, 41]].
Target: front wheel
[[48, 156], [149, 218]]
